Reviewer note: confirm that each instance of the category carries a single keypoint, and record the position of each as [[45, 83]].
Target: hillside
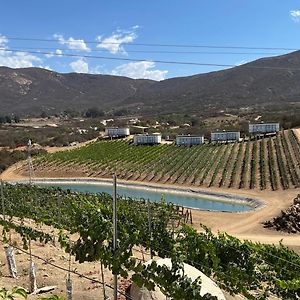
[[269, 163], [255, 84], [32, 90], [247, 85]]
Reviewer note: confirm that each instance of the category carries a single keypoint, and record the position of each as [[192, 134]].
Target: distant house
[[188, 140], [117, 132], [147, 139], [225, 136], [264, 128], [104, 122]]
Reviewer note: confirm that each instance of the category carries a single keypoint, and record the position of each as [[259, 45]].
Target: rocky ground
[[289, 220]]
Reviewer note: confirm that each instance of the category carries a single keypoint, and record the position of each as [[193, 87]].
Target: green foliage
[[252, 269], [16, 291], [172, 281], [8, 158], [53, 297], [20, 292], [244, 165], [94, 112]]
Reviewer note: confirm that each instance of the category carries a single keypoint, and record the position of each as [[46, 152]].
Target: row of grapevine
[[272, 166], [289, 160], [222, 159], [295, 145], [228, 165], [263, 163], [245, 164], [254, 270], [281, 165], [253, 165], [234, 172]]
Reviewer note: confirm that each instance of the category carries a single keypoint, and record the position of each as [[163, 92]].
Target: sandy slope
[[297, 132]]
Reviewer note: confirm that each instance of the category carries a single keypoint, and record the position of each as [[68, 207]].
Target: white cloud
[[16, 59], [141, 69], [80, 66], [58, 52], [119, 37], [3, 41], [295, 15], [71, 43]]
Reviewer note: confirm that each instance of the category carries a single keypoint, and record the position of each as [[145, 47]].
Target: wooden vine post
[[149, 226], [69, 286], [105, 297], [10, 257], [32, 272], [30, 166], [9, 250], [2, 200]]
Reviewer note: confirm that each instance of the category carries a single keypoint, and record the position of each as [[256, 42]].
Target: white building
[[264, 128], [225, 136], [188, 140], [117, 132], [147, 139]]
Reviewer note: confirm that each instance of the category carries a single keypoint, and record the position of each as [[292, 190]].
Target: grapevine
[[251, 269]]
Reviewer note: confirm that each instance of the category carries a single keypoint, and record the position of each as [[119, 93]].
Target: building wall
[[225, 136], [189, 140], [146, 139], [264, 128], [117, 131]]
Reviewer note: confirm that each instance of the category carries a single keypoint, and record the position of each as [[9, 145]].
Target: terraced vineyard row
[[269, 163]]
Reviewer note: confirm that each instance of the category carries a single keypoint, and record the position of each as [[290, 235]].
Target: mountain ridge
[[264, 82]]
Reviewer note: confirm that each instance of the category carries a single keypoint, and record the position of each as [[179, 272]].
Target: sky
[[76, 36]]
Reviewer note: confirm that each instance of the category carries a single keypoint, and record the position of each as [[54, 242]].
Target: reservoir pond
[[188, 199]]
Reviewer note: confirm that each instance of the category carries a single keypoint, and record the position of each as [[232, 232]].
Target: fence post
[[2, 200], [69, 287], [150, 227], [12, 267], [32, 272], [115, 231]]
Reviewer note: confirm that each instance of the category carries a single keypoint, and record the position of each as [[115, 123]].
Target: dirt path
[[297, 133], [58, 149]]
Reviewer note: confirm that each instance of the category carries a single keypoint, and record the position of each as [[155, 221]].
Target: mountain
[[265, 82], [31, 91]]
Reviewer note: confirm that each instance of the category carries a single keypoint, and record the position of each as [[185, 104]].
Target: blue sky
[[113, 26]]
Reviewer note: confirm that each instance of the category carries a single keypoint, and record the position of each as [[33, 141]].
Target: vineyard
[[82, 225], [269, 163]]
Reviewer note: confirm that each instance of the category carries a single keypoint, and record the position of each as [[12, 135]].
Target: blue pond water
[[189, 200]]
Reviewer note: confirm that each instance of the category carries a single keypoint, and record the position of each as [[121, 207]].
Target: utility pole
[[2, 200], [115, 231], [30, 166]]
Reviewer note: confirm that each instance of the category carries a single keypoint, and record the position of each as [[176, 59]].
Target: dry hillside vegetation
[[267, 83]]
